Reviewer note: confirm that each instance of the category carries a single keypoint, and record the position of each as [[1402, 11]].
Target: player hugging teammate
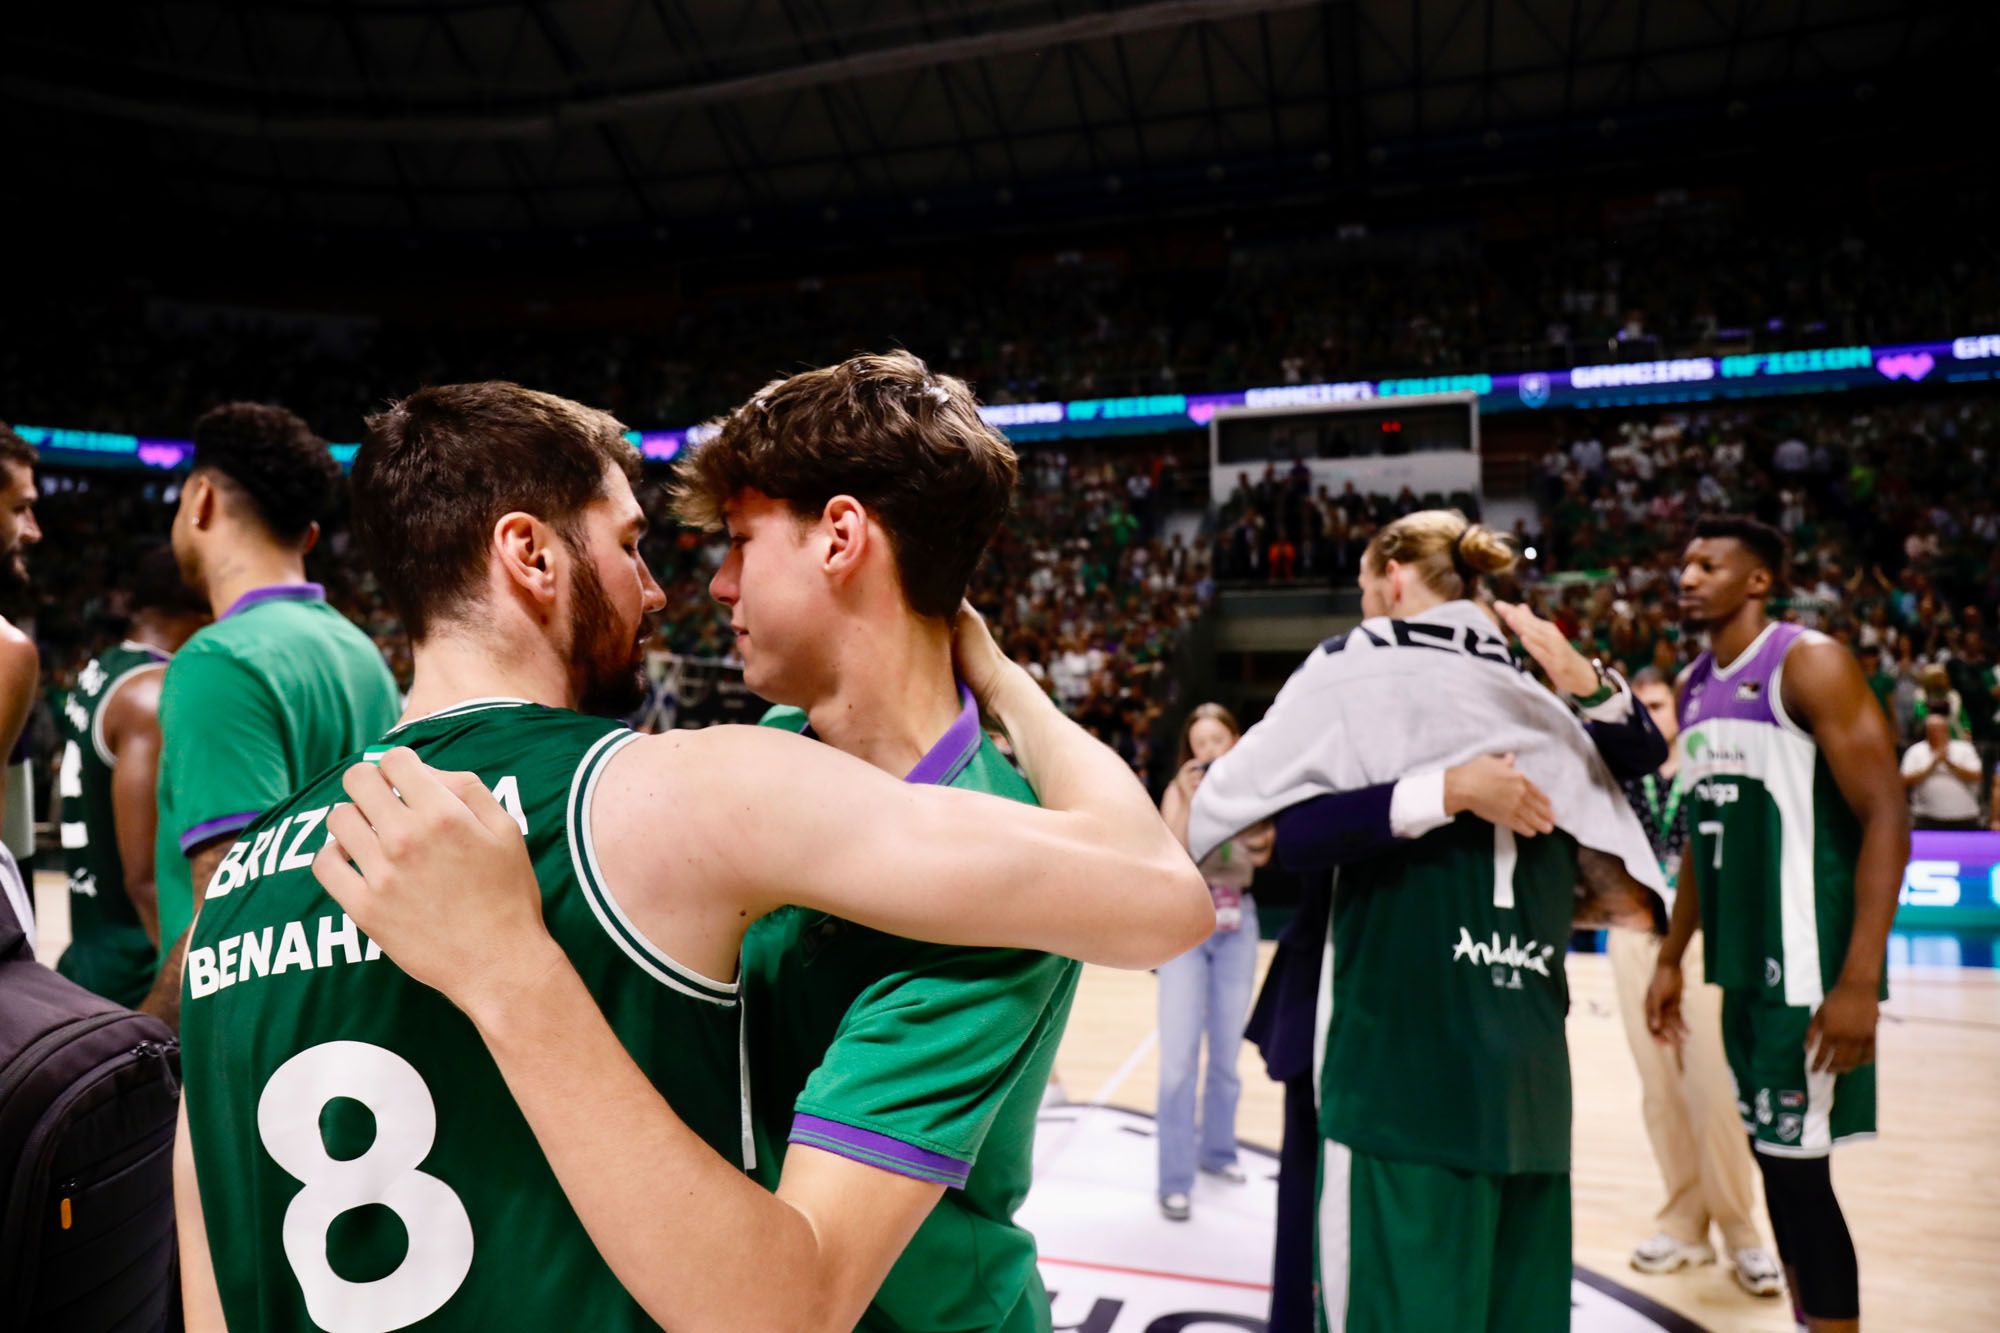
[[492, 1074], [1441, 1065]]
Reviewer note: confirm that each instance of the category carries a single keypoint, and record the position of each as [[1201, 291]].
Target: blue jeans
[[1206, 991]]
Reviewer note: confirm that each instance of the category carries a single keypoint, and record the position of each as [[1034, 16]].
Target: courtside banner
[[1952, 882]]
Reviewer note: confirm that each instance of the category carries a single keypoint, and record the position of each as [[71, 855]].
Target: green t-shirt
[[108, 952], [254, 704], [361, 1162], [920, 1059], [1445, 1038]]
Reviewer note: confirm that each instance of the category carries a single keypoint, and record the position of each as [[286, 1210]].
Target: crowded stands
[[1890, 509]]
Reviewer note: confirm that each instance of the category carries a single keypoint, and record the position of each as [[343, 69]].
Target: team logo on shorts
[[1792, 1101], [1774, 972], [1763, 1106], [1789, 1125]]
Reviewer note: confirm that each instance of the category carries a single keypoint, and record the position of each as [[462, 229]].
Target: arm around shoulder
[[1107, 886]]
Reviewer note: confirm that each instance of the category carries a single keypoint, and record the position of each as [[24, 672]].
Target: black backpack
[[89, 1091]]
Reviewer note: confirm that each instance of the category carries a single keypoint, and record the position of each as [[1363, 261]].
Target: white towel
[[1399, 697]]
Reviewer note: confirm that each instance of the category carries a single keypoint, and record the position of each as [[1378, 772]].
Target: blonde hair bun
[[1444, 547]]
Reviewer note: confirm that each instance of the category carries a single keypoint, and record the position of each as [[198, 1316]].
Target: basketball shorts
[[1410, 1247], [1788, 1110]]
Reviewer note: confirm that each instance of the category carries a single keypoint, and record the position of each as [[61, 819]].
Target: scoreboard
[[1428, 443], [1374, 430]]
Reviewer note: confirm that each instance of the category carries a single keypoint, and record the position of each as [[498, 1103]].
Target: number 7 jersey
[[362, 1165], [1770, 838]]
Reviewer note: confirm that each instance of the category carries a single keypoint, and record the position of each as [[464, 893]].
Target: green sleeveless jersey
[[362, 1165], [1771, 841], [1443, 1022], [109, 951], [920, 1059]]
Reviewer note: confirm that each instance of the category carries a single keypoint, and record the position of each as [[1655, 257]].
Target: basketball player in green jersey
[[1799, 835], [110, 725], [353, 1158], [858, 500], [281, 685]]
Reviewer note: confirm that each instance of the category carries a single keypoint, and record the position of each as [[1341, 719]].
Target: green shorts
[[1408, 1247], [1787, 1110]]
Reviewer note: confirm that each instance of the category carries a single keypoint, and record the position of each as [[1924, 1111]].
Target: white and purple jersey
[[1772, 841]]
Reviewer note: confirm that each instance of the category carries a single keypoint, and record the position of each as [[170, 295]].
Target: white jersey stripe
[[1817, 1137], [1323, 1005], [1336, 1231], [1784, 764], [97, 741], [651, 959]]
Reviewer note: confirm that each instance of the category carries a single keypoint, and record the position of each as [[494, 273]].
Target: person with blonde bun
[[1442, 1073]]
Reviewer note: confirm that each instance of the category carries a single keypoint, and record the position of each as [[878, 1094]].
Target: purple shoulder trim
[[275, 592], [210, 828], [943, 762], [879, 1150]]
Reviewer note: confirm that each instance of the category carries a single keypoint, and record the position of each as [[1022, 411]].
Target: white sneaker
[[1664, 1254], [1757, 1271], [1175, 1207], [1232, 1172]]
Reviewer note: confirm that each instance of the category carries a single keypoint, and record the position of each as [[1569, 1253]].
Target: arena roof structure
[[644, 116]]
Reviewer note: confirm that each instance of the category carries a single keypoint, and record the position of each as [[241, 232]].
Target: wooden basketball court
[[1923, 1200]]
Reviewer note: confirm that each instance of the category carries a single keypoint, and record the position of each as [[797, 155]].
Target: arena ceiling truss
[[535, 115]]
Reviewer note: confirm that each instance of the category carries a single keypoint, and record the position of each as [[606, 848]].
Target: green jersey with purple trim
[[253, 705], [361, 1162], [920, 1059]]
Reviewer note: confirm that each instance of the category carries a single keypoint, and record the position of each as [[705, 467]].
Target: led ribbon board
[[1691, 379]]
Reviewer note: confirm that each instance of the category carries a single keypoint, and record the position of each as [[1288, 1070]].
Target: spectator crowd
[[1283, 528]]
